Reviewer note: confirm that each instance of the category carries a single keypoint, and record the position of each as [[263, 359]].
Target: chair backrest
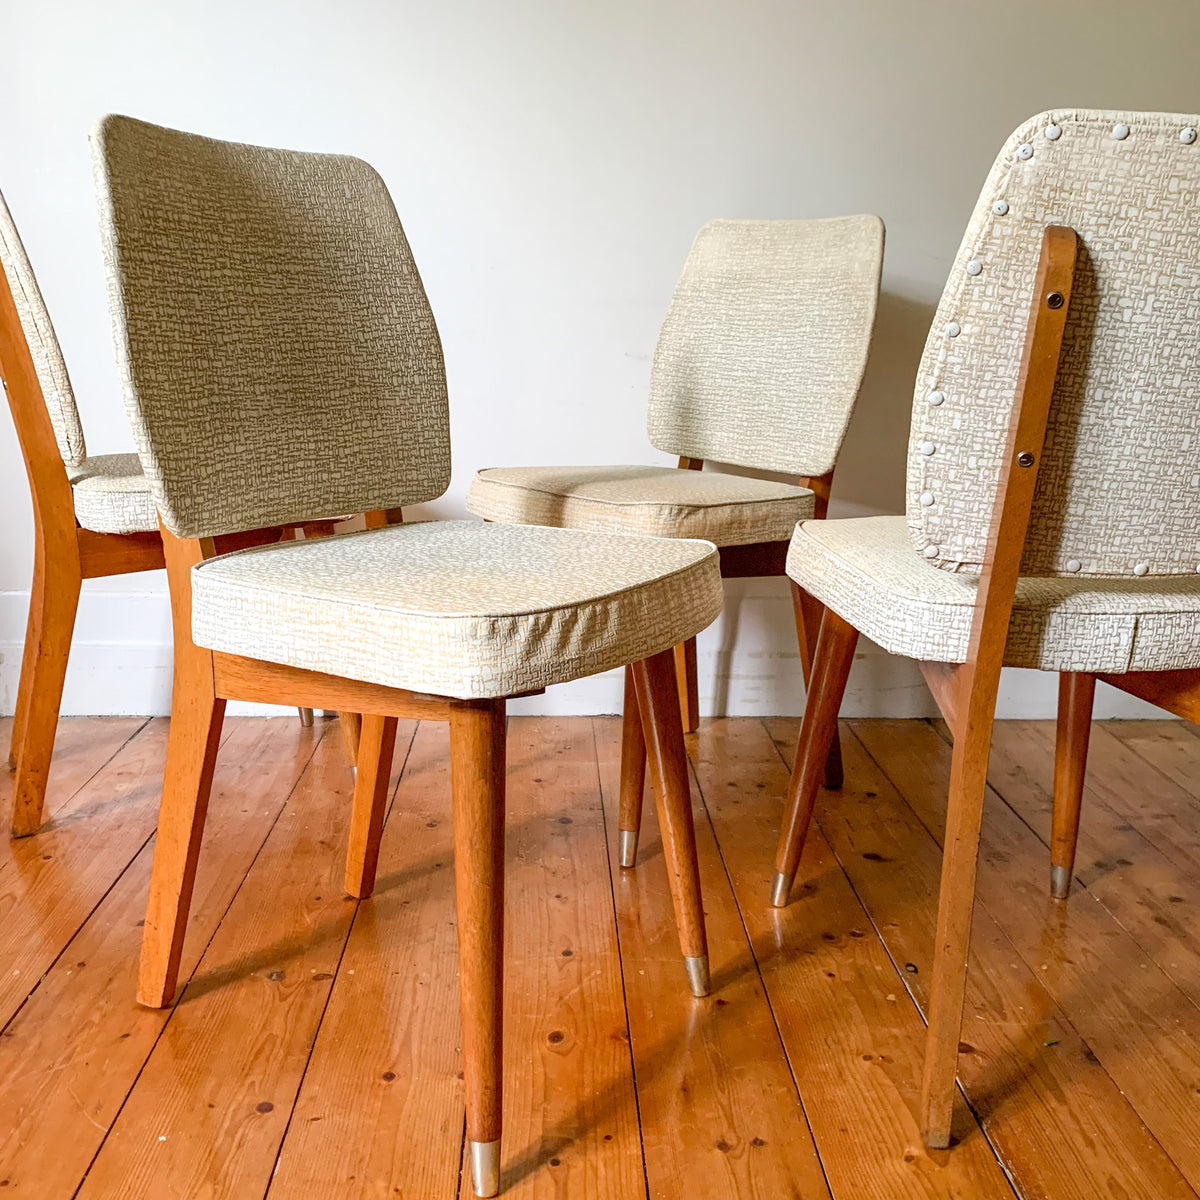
[[763, 348], [43, 344], [278, 354], [1119, 482]]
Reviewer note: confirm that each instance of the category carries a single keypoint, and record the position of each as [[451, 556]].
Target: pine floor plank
[[380, 1110], [854, 1039], [1031, 962], [720, 1114], [570, 1111], [71, 1055]]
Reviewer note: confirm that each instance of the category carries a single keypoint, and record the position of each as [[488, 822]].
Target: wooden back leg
[[1076, 692], [827, 684], [376, 747], [658, 702], [477, 768], [53, 603], [633, 773], [688, 682], [807, 612]]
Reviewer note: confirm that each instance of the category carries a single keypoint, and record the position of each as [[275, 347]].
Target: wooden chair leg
[[658, 703], [633, 773], [376, 746], [687, 681], [351, 724], [306, 717], [831, 668], [196, 717], [477, 766], [53, 603], [807, 612], [1075, 694]]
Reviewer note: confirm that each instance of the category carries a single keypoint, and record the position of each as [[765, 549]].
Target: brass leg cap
[[781, 886], [1060, 882], [485, 1167], [306, 718], [629, 841], [697, 973]]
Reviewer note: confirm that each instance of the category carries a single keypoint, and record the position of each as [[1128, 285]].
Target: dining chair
[[280, 362], [758, 365], [93, 515], [1053, 506]]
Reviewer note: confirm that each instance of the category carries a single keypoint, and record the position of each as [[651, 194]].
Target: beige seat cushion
[[112, 495], [728, 510], [867, 571], [458, 608]]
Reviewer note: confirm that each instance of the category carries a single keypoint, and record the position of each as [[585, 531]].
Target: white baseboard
[[748, 666]]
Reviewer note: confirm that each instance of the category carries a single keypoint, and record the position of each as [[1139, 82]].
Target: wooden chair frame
[[65, 554], [204, 680], [965, 692], [752, 561]]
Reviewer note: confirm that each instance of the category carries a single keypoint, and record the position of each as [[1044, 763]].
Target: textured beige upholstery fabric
[[279, 357], [458, 608], [1119, 483], [865, 569], [763, 348], [112, 495], [43, 343], [659, 501]]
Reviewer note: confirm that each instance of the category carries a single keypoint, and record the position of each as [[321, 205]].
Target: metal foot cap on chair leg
[[781, 886], [629, 841], [485, 1167], [1060, 882], [697, 973]]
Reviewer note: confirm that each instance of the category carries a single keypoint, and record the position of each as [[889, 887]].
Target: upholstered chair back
[[43, 344], [763, 348], [1119, 482], [278, 354]]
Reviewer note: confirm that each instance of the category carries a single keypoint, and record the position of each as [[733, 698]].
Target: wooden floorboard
[[314, 1050]]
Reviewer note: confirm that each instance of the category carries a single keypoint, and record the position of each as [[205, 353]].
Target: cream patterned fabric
[[278, 354], [763, 348], [657, 501], [112, 495], [1119, 483], [43, 343], [865, 569], [458, 608]]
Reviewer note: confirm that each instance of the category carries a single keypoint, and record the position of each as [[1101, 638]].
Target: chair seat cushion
[[727, 510], [112, 495], [867, 571], [457, 608]]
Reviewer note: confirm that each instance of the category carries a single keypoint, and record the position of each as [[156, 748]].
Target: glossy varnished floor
[[314, 1051]]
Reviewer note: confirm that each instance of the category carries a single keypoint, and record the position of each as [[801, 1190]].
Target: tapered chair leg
[[807, 613], [376, 746], [1076, 692], [831, 668], [633, 773], [351, 724], [53, 603], [306, 717], [658, 703], [477, 767], [688, 682], [196, 717]]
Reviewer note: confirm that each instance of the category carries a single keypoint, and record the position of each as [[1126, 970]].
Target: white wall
[[551, 160]]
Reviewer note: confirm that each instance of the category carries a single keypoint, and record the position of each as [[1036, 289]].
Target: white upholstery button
[[932, 551], [926, 499], [1187, 136], [927, 448], [1000, 207], [1073, 564], [953, 329], [974, 267], [1120, 132], [935, 398], [1025, 150], [1053, 132], [1141, 569]]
